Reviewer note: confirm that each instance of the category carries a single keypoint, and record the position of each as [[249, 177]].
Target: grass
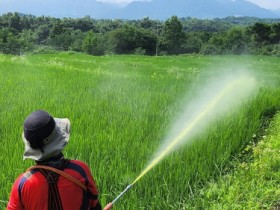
[[120, 108], [252, 184]]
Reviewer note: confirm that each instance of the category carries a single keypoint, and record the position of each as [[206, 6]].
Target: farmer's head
[[44, 136]]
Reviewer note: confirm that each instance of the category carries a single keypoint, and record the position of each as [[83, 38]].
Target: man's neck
[[55, 161]]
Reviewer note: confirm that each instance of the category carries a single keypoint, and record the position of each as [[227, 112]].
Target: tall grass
[[120, 108]]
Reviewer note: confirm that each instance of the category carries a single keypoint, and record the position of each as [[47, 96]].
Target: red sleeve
[[91, 187], [14, 201]]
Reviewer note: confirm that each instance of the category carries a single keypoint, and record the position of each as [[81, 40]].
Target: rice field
[[120, 108]]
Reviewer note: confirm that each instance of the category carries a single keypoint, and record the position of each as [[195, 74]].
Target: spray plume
[[218, 97]]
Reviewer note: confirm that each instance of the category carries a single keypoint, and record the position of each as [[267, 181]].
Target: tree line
[[232, 35]]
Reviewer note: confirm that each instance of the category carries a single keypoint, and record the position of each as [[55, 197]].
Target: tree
[[42, 34], [104, 45], [146, 23], [192, 43], [9, 42], [15, 22], [216, 44], [275, 33], [57, 29], [235, 40], [261, 32], [173, 36], [62, 41], [146, 40], [77, 40], [26, 40], [85, 24], [124, 39], [89, 43]]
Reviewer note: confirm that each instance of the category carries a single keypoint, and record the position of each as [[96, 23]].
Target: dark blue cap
[[38, 126]]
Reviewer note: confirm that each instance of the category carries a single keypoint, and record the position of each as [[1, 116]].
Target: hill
[[161, 9], [155, 9]]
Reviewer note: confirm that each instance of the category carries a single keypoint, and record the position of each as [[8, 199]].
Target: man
[[54, 183]]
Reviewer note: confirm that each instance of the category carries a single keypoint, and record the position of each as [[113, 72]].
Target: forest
[[20, 34]]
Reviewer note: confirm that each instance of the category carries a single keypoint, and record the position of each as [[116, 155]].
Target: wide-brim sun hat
[[54, 134]]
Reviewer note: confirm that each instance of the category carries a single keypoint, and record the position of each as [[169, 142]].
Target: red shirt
[[30, 190]]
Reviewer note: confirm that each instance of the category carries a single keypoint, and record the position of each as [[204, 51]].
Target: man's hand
[[108, 206]]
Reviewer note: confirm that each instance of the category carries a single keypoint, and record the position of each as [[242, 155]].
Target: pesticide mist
[[216, 98]]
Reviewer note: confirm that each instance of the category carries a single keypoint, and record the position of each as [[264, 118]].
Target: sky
[[120, 2], [268, 4]]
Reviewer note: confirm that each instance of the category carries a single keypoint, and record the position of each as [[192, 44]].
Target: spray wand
[[121, 194]]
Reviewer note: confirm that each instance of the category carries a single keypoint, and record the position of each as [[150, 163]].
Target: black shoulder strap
[[54, 200]]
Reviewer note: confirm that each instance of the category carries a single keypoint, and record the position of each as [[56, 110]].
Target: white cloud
[[268, 4]]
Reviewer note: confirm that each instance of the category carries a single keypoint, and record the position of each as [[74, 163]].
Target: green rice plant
[[120, 108], [252, 185]]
